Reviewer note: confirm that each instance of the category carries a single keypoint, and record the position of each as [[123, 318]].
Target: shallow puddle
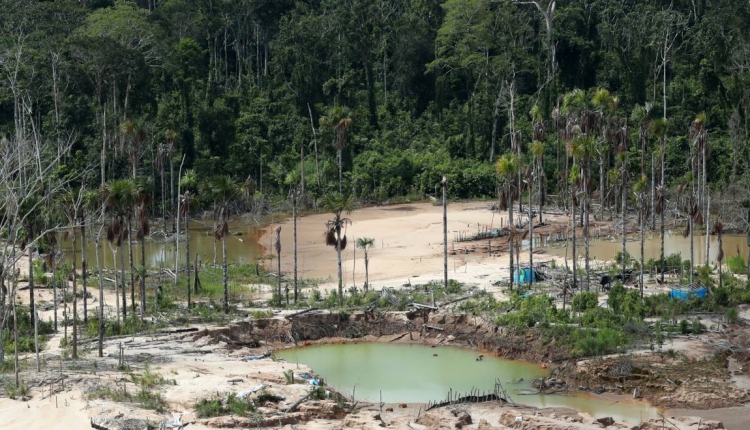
[[413, 374]]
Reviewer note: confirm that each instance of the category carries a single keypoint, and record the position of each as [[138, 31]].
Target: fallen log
[[432, 327], [298, 402], [460, 299], [97, 426], [421, 306], [300, 313]]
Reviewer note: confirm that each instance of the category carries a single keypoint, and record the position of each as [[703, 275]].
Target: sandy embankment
[[408, 246]]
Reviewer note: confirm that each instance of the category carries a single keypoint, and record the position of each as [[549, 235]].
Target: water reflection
[[674, 243], [242, 247]]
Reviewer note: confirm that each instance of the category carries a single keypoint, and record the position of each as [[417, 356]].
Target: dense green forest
[[281, 93]]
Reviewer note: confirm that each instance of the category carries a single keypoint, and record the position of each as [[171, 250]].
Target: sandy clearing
[[409, 246]]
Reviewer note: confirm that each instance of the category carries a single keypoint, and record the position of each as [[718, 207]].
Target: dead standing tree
[[277, 246], [27, 171]]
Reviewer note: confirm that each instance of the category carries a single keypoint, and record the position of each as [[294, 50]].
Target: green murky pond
[[411, 374]]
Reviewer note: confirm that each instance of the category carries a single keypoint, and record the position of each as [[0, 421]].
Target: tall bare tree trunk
[[641, 204], [708, 229], [540, 178], [132, 266], [586, 209], [75, 297], [511, 229], [315, 143], [653, 194], [278, 263], [532, 274], [101, 296], [338, 154], [226, 272], [624, 192], [117, 283], [187, 247], [444, 185], [664, 206], [122, 285], [15, 330], [84, 268], [338, 255], [294, 216], [143, 277], [177, 233], [573, 225], [163, 194], [31, 287], [692, 261]]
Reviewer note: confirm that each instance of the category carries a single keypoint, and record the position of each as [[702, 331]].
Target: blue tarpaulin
[[690, 292], [524, 276]]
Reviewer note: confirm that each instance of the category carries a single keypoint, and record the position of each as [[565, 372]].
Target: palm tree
[[574, 109], [340, 120], [606, 107], [120, 196], [222, 190], [365, 243], [639, 118], [338, 204], [582, 148], [507, 167]]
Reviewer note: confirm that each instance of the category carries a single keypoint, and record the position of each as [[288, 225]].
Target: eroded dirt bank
[[200, 363]]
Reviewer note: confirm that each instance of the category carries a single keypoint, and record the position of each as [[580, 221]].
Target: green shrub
[[585, 300], [289, 376], [684, 327], [217, 406], [698, 327], [619, 258], [208, 408], [260, 314], [736, 264], [151, 400], [732, 315], [604, 341]]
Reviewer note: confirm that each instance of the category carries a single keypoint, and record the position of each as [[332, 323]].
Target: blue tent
[[691, 291]]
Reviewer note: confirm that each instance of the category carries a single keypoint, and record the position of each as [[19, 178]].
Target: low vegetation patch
[[144, 395]]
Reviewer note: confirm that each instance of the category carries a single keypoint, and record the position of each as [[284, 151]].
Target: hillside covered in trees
[[388, 94]]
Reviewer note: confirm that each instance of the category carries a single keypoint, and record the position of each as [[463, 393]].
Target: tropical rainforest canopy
[[280, 93]]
